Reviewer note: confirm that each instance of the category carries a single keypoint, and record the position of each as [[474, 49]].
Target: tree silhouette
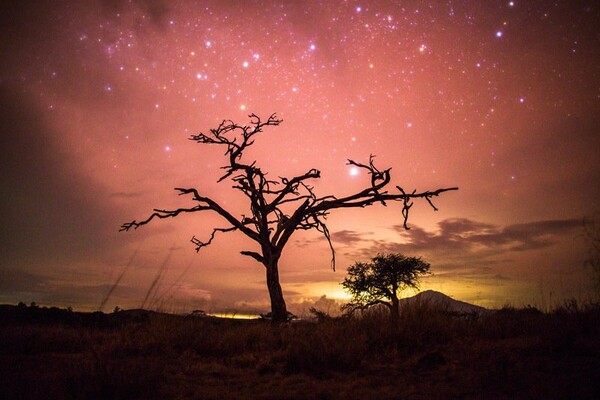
[[270, 222], [381, 281]]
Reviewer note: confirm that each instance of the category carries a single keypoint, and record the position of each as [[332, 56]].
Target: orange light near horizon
[[234, 315], [331, 290]]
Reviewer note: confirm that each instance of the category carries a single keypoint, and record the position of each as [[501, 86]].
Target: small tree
[[278, 207], [381, 281]]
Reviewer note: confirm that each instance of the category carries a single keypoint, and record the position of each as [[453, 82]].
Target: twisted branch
[[199, 244]]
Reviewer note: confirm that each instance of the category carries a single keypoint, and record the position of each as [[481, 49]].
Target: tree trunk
[[278, 307], [395, 313]]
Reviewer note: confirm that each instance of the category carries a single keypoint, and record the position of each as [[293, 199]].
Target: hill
[[447, 303]]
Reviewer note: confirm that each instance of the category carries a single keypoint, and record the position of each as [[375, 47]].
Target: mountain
[[440, 300]]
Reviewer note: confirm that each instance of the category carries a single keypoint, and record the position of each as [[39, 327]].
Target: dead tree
[[279, 207]]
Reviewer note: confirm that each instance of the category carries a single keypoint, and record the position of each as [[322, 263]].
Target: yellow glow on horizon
[[234, 315], [332, 290]]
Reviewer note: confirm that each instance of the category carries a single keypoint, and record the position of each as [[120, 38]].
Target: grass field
[[507, 354]]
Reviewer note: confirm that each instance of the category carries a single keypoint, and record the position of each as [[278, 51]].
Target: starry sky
[[99, 99]]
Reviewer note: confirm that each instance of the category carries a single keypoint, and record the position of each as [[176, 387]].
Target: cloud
[[14, 280], [324, 304], [245, 299], [461, 241], [50, 210], [125, 195], [311, 274], [347, 237], [43, 288], [464, 234], [344, 238], [460, 247]]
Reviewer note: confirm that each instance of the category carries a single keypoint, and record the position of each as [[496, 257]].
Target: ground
[[507, 354]]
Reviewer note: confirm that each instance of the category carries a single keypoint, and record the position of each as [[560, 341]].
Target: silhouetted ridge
[[443, 301]]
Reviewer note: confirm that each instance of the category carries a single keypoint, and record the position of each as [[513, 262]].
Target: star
[[431, 90]]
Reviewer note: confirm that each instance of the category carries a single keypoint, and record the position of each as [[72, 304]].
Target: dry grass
[[512, 353]]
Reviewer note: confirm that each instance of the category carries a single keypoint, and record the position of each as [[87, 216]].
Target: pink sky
[[99, 99]]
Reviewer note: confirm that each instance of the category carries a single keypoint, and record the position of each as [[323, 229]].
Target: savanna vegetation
[[434, 354]]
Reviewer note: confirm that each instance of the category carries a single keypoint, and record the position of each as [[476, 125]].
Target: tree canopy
[[381, 281]]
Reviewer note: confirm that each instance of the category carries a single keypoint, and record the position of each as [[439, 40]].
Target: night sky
[[99, 99]]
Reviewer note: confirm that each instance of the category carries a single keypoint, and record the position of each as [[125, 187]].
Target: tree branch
[[214, 206], [199, 244], [291, 187], [222, 135], [254, 255], [161, 214], [367, 199], [354, 306]]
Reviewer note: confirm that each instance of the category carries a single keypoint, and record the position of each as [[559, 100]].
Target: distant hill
[[441, 300]]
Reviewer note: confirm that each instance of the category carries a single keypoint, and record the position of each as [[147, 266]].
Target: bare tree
[[278, 207]]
